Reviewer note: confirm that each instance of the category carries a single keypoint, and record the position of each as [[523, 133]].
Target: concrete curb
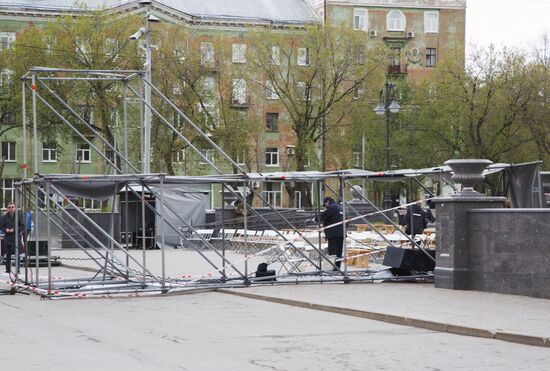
[[404, 321]]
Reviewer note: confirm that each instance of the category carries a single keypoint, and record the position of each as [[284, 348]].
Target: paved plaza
[[221, 330]]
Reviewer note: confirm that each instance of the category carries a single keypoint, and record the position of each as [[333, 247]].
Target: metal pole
[[48, 226], [363, 155], [319, 201], [245, 222], [163, 282], [143, 234], [387, 198], [125, 119], [148, 77], [34, 123], [36, 236], [24, 121], [16, 232], [224, 277], [344, 247]]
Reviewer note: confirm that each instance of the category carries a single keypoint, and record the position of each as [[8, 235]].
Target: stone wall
[[509, 251]]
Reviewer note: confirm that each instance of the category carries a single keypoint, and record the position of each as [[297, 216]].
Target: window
[[86, 112], [89, 204], [270, 92], [431, 57], [240, 158], [360, 20], [275, 55], [359, 90], [431, 22], [207, 53], [208, 83], [322, 16], [303, 56], [272, 121], [238, 95], [272, 157], [209, 154], [210, 113], [360, 56], [6, 40], [49, 152], [8, 151], [8, 191], [395, 60], [83, 153], [239, 53], [180, 156], [113, 157], [395, 21], [5, 81], [273, 194], [302, 90]]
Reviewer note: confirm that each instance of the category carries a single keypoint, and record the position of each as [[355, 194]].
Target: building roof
[[285, 11], [422, 4]]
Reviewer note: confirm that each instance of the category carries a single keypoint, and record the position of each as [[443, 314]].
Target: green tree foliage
[[316, 75]]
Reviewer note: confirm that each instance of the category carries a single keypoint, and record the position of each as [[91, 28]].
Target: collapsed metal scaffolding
[[117, 270]]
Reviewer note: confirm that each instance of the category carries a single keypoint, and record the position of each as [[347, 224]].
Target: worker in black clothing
[[10, 240], [334, 235], [415, 220]]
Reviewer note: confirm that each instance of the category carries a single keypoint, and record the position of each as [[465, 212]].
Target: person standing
[[10, 240], [334, 235]]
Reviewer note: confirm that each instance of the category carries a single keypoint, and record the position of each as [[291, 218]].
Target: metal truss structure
[[299, 256]]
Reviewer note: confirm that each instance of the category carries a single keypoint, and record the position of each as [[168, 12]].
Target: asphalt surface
[[387, 326]]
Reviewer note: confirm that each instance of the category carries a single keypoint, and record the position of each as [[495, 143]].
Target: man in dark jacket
[[334, 235], [10, 240], [415, 220]]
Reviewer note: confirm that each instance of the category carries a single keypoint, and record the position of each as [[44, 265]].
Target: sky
[[507, 22]]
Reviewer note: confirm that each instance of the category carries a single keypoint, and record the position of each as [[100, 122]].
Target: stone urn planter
[[468, 172]]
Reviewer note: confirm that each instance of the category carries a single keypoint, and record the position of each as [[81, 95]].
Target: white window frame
[[7, 39], [360, 19], [396, 21], [51, 152], [5, 77], [209, 154], [272, 154], [301, 88], [180, 156], [275, 55], [8, 190], [238, 54], [84, 151], [11, 156], [240, 158], [270, 92], [303, 57], [431, 22], [273, 197], [208, 84], [90, 204], [211, 114], [238, 91], [207, 53]]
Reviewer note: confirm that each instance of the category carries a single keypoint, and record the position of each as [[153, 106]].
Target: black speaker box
[[409, 259], [42, 248]]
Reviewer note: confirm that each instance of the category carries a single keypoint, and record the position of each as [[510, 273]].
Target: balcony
[[240, 102], [397, 69]]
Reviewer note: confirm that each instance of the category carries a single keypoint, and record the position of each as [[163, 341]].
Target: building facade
[[417, 33]]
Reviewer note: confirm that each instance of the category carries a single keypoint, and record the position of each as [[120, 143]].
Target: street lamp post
[[387, 105], [147, 117]]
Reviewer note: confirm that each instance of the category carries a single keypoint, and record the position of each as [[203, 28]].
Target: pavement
[[517, 319]]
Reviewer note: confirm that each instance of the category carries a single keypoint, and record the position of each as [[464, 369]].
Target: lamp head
[[394, 107], [152, 18], [380, 109], [138, 34]]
